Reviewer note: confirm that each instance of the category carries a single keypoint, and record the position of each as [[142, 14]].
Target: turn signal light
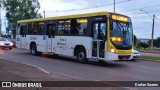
[[116, 39]]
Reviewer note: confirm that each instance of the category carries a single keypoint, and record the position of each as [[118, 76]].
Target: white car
[[5, 43], [136, 54]]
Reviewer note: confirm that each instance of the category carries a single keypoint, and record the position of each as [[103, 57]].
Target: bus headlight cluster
[[132, 50], [112, 50]]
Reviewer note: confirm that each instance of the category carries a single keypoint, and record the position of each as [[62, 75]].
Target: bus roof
[[65, 17]]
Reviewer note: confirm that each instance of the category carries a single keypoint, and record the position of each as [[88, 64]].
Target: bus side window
[[51, 30], [74, 27], [63, 27], [40, 28], [79, 26], [36, 28], [23, 31], [30, 29]]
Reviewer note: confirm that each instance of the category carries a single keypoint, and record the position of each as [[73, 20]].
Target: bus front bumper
[[114, 56]]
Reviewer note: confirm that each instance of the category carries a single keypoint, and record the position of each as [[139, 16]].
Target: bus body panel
[[18, 41], [65, 45], [39, 40]]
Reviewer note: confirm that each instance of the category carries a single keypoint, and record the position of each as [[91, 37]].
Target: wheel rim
[[81, 55]]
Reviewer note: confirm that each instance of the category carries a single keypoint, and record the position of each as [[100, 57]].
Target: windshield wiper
[[120, 27]]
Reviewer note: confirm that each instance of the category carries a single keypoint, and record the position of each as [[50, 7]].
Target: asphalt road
[[111, 71]]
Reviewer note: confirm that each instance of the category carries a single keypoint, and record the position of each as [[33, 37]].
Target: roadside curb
[[150, 60]]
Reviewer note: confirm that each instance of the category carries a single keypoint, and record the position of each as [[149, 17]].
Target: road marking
[[48, 72], [71, 76]]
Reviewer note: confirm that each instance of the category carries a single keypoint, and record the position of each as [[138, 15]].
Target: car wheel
[[81, 56]]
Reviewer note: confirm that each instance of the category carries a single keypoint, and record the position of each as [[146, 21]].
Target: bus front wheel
[[34, 49], [81, 56]]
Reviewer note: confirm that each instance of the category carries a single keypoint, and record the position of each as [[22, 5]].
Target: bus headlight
[[112, 50], [132, 50]]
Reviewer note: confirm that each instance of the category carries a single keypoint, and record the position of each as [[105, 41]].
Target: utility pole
[[114, 6], [153, 19], [152, 47], [44, 13], [0, 23]]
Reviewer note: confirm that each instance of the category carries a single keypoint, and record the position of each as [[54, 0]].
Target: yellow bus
[[91, 36]]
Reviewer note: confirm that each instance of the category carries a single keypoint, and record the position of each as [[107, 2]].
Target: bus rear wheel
[[34, 49], [81, 56]]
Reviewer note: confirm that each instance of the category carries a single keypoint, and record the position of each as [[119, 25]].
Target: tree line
[[19, 10], [144, 45]]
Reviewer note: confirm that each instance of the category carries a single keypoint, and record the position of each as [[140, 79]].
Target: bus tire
[[81, 56], [34, 49]]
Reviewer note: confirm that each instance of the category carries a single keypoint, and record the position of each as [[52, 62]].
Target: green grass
[[148, 50], [158, 50], [150, 58]]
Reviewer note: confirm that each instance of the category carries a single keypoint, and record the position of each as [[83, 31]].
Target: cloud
[[59, 5], [141, 21]]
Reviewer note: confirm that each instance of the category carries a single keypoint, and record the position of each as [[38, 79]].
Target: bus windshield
[[121, 35]]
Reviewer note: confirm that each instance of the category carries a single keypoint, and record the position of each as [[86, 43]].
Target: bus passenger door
[[50, 37], [99, 38], [23, 30]]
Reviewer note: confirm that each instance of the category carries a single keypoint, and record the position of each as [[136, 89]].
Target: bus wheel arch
[[33, 48], [80, 53]]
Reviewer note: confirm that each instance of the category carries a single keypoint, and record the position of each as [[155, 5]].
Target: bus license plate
[[124, 58]]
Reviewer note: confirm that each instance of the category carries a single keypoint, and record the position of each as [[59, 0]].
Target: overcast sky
[[142, 22]]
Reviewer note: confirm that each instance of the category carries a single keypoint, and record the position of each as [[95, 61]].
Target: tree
[[156, 42], [20, 10], [135, 40], [143, 45], [1, 3]]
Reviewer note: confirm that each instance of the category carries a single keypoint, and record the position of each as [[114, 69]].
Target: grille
[[124, 56], [136, 53], [7, 44]]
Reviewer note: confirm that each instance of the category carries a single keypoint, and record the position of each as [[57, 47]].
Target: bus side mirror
[[111, 25]]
